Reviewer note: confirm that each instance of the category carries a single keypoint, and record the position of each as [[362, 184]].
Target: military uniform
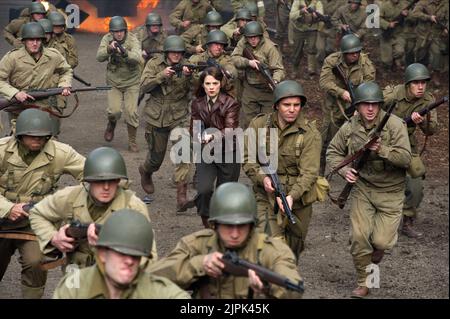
[[282, 19], [67, 42], [48, 6], [405, 106], [430, 36], [166, 108], [12, 32], [333, 118], [186, 11], [150, 42], [29, 177], [92, 286], [184, 266], [123, 74], [378, 194], [74, 203], [304, 33], [256, 94], [194, 36], [392, 45], [356, 20], [299, 147], [326, 37], [259, 4]]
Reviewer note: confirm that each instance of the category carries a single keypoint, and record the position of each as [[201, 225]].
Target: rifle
[[213, 62], [262, 68], [358, 163], [321, 17], [425, 110], [78, 230], [239, 267], [122, 50], [278, 192], [400, 19], [178, 68], [349, 111], [76, 77], [45, 93], [287, 5]]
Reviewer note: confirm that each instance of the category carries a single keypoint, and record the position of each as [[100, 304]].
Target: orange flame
[[101, 25]]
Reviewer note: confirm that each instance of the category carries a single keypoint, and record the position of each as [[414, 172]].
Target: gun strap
[[18, 235], [53, 264]]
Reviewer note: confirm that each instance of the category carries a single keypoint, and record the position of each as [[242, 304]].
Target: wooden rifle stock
[[426, 110]]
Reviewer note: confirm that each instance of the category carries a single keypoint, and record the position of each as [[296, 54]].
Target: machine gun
[[262, 68], [239, 267], [178, 68], [78, 230], [321, 17]]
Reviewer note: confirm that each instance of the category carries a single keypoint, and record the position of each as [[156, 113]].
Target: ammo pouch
[[417, 167], [318, 192]]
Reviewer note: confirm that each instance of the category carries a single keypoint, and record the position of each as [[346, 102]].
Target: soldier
[[49, 7], [351, 18], [432, 35], [258, 6], [31, 163], [151, 35], [298, 166], [90, 202], [410, 98], [13, 31], [66, 41], [123, 74], [234, 29], [123, 240], [283, 8], [188, 13], [166, 108], [392, 42], [256, 94], [49, 41], [358, 68], [216, 42], [326, 37], [379, 187], [304, 26], [196, 264], [34, 67], [195, 37]]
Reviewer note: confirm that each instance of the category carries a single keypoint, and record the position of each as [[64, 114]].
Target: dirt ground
[[412, 269]]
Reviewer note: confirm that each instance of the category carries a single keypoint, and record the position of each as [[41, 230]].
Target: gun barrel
[[76, 77]]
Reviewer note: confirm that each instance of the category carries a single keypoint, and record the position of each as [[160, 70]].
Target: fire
[[101, 25]]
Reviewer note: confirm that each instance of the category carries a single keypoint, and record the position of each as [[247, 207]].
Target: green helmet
[[128, 232], [153, 19], [243, 14], [289, 88], [213, 18], [416, 71], [57, 18], [104, 164], [37, 7], [355, 1], [47, 25], [174, 43], [32, 30], [233, 204], [253, 8], [34, 122], [118, 23], [217, 36], [253, 28], [368, 92], [350, 43]]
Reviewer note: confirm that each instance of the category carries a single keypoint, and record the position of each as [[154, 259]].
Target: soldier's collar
[[299, 123]]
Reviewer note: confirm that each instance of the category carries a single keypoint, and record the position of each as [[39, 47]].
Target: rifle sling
[[53, 264], [18, 235]]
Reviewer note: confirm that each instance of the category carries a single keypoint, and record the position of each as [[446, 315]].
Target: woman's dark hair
[[215, 73]]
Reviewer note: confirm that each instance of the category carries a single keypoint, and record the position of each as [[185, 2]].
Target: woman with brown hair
[[214, 111]]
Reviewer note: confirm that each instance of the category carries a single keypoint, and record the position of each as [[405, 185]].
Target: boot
[[132, 146], [435, 79], [377, 255], [32, 292], [407, 228], [360, 292], [109, 132], [181, 196], [188, 204], [146, 180]]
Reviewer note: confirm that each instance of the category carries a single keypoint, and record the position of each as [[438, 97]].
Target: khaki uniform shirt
[[19, 71], [150, 42], [422, 13], [388, 12], [406, 105], [266, 53], [72, 203], [184, 265], [301, 21], [334, 86], [12, 32], [21, 183], [168, 100], [299, 146], [196, 35], [185, 11], [355, 19], [93, 286], [121, 72], [385, 170], [67, 42]]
